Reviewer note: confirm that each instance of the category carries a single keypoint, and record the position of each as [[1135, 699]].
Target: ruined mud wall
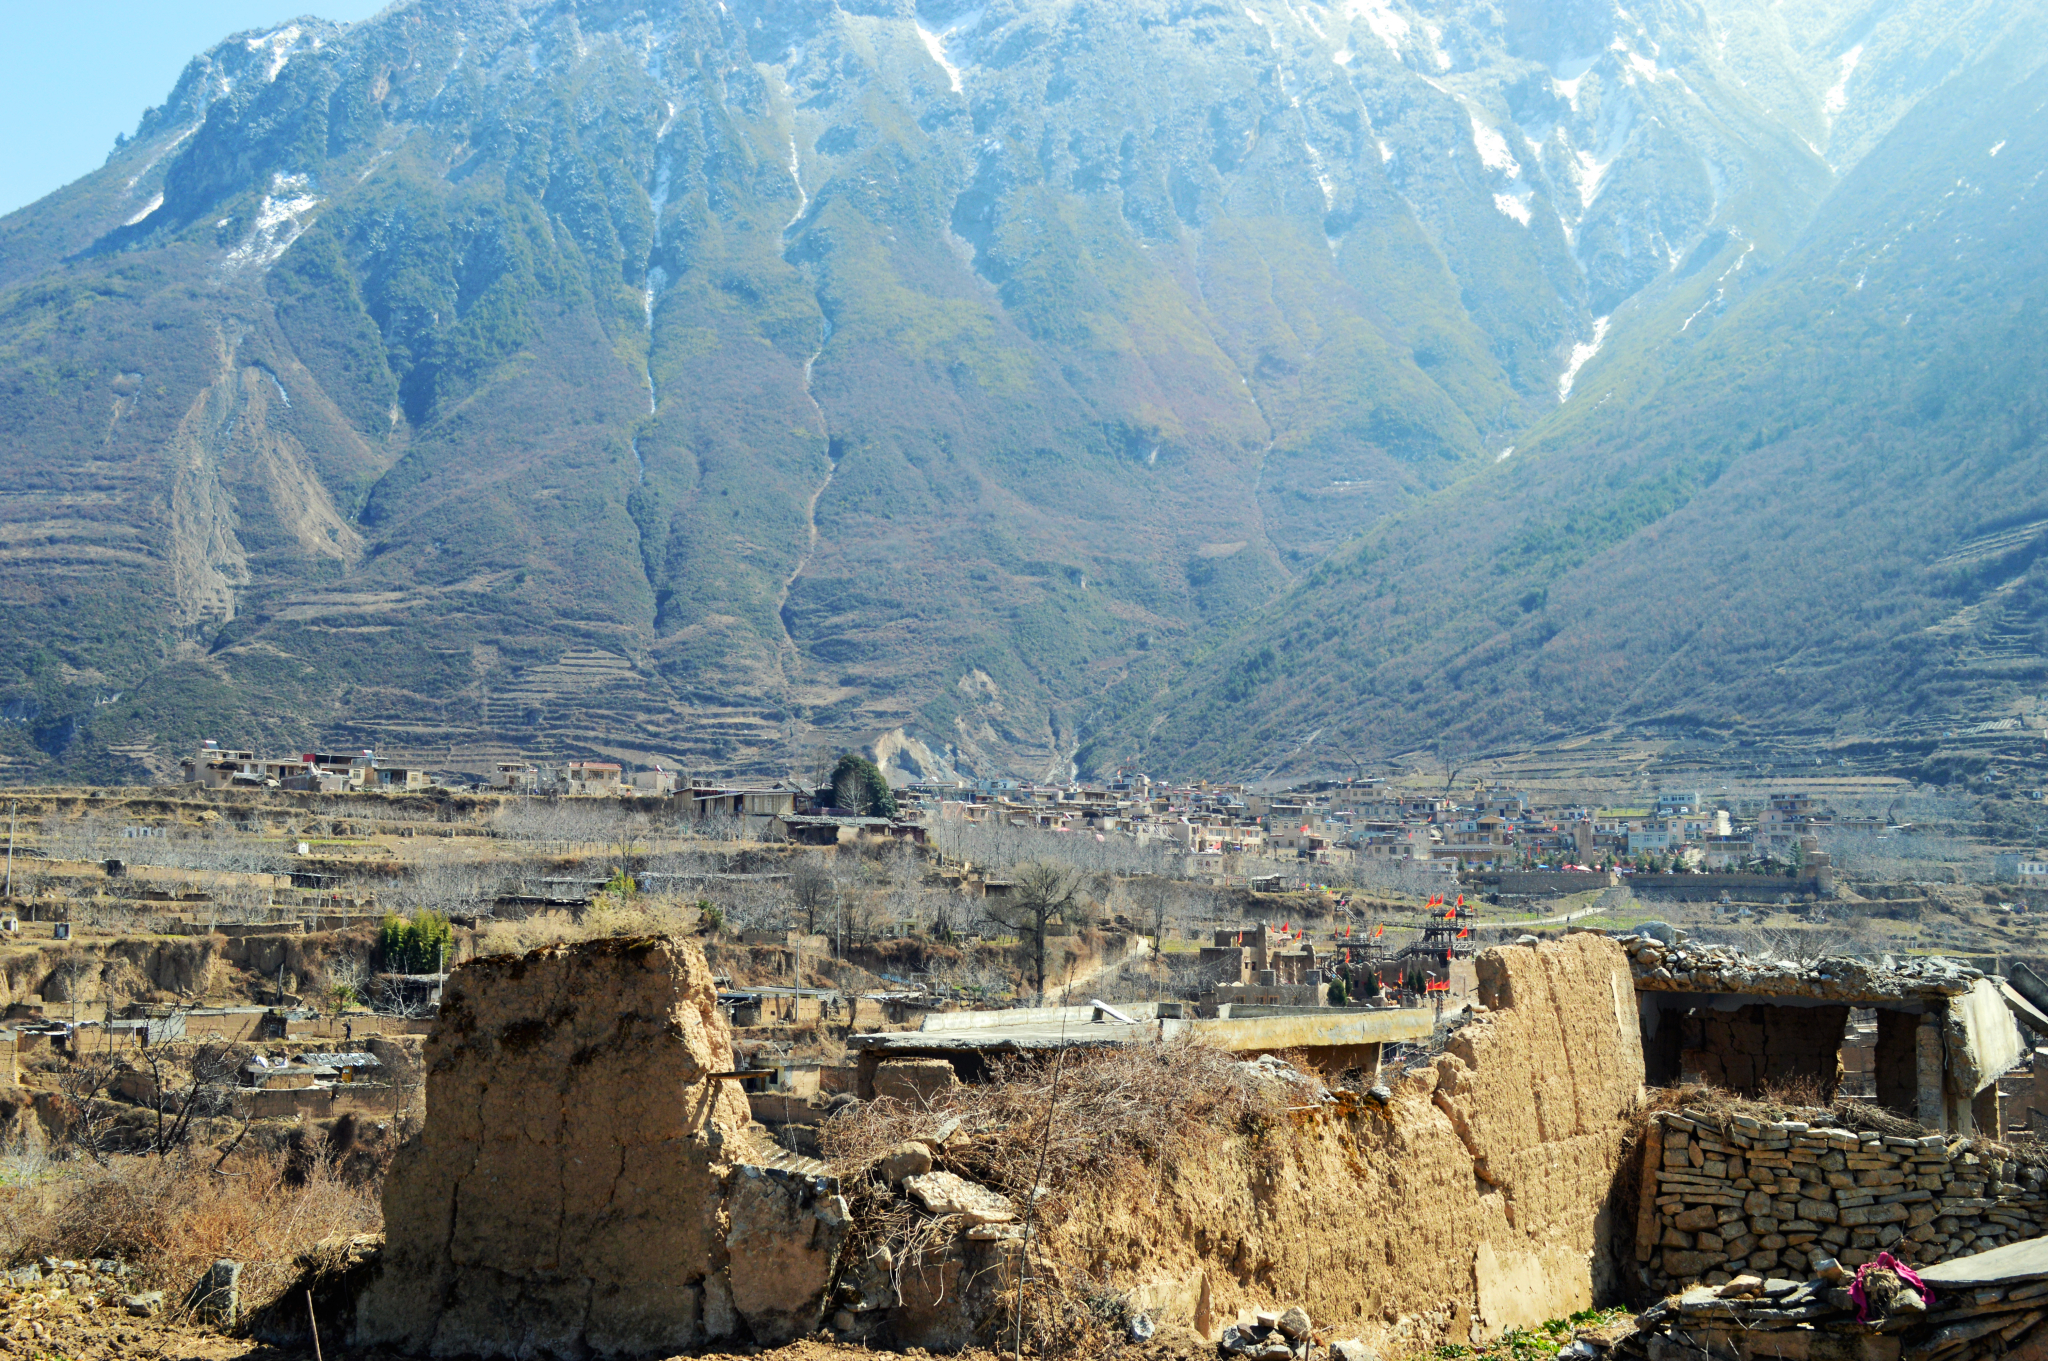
[[153, 969], [583, 1186], [1474, 1199], [1724, 1194]]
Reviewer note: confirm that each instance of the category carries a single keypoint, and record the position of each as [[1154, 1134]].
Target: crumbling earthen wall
[[1475, 1198], [1724, 1194], [583, 1185], [149, 967]]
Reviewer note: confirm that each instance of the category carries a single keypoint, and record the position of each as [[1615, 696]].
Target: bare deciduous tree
[[813, 888], [202, 1085], [1043, 893]]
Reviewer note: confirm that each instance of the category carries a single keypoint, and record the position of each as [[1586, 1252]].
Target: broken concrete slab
[[2008, 1265], [2024, 1011], [945, 1194], [1984, 1042]]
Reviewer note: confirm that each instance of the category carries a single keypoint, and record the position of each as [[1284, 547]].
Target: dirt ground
[[55, 1332], [45, 1325]]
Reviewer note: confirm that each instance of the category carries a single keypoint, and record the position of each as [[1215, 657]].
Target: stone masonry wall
[[1722, 1195], [1759, 1043]]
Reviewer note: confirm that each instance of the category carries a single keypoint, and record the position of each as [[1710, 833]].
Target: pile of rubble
[[1289, 1336], [1680, 966], [84, 1311], [1989, 1305], [97, 1284]]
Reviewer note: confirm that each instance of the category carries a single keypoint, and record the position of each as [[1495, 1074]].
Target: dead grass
[[1123, 1116], [1120, 1109], [172, 1217], [608, 915], [1802, 1100]]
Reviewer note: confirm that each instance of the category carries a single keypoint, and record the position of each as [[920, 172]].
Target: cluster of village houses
[[1364, 820], [1351, 822]]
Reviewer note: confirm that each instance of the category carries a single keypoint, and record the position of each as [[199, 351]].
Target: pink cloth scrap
[[1885, 1261]]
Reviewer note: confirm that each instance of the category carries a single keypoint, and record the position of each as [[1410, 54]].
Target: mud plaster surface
[[1476, 1200]]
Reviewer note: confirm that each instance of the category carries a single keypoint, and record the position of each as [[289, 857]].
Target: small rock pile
[[1989, 1305], [98, 1284], [907, 1179], [1284, 1336], [1692, 967]]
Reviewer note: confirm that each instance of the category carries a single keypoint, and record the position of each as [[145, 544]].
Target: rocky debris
[[1729, 1195], [943, 1193], [89, 1284], [1983, 1306], [82, 1311], [1270, 1336], [217, 1299], [1679, 966], [1305, 1086], [908, 1159], [1351, 1349]]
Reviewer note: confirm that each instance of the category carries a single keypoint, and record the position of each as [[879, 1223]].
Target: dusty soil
[[35, 1326]]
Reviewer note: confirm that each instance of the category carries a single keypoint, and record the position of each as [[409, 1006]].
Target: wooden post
[[314, 1324]]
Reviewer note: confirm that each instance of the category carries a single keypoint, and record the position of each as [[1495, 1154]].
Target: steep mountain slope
[[1825, 515], [715, 380]]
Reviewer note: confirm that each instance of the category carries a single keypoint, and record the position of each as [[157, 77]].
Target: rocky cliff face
[[710, 381]]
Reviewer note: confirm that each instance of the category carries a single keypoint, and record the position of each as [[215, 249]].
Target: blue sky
[[74, 74]]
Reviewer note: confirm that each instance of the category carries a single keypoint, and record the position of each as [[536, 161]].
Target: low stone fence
[[1725, 1195]]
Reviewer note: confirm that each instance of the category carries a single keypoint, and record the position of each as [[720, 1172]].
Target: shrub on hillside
[[170, 1218]]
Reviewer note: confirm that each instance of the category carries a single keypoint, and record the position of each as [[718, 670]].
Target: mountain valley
[[1032, 386]]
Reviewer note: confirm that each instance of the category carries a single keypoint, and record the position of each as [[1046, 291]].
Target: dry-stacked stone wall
[[1727, 1194]]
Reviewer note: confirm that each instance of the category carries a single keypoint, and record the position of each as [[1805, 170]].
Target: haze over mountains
[[1219, 387]]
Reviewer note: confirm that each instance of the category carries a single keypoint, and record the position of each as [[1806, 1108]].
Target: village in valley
[[1219, 828], [909, 991]]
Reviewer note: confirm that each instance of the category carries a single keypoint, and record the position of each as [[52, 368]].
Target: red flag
[[1461, 900], [1379, 931], [1283, 928], [1464, 933]]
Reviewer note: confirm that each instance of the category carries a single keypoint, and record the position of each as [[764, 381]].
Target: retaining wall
[[1722, 1195]]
